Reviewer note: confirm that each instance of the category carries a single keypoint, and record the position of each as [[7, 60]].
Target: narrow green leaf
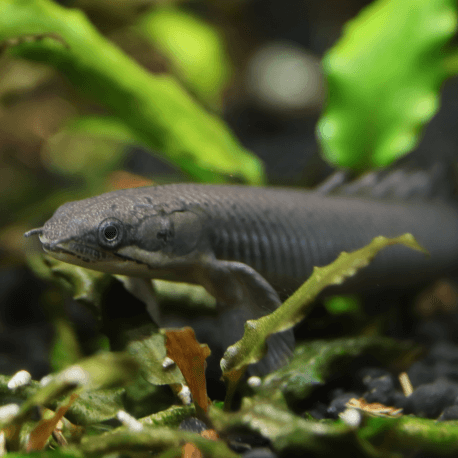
[[251, 347], [153, 106], [68, 453], [152, 439], [172, 416], [384, 77]]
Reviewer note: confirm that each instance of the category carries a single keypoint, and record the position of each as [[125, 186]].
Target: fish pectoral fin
[[233, 283], [280, 349], [143, 290], [246, 295]]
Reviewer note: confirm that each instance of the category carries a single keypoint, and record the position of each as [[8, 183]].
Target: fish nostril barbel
[[37, 231]]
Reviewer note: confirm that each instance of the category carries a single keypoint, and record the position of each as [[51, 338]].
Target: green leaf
[[152, 439], [92, 406], [384, 77], [315, 362], [84, 285], [172, 416], [66, 349], [286, 431], [104, 370], [407, 433], [153, 106], [375, 437], [95, 406], [147, 346], [251, 347], [194, 48]]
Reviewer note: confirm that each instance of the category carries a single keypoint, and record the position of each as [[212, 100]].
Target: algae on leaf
[[314, 363], [285, 430], [384, 77]]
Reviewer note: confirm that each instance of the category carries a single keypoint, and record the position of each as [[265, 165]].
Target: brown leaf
[[189, 450], [125, 180], [189, 355], [210, 434], [374, 409], [40, 434]]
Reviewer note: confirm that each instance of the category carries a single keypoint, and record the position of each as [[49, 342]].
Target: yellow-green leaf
[[251, 347], [384, 77]]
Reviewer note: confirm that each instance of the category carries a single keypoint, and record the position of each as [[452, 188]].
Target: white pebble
[[46, 379], [2, 443], [185, 395], [75, 375], [129, 421], [20, 378], [254, 381], [7, 412], [168, 363], [351, 417]]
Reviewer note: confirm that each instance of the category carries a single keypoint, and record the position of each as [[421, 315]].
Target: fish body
[[249, 247]]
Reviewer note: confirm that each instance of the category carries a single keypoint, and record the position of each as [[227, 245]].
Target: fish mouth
[[71, 250], [93, 258]]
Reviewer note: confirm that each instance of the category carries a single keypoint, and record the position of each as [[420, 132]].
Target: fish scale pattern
[[283, 233]]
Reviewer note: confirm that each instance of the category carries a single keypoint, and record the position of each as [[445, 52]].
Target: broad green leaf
[[144, 400], [147, 346], [194, 48], [384, 77], [251, 347], [153, 106], [287, 431], [95, 406], [315, 362]]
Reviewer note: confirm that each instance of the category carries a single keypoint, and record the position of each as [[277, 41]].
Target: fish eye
[[110, 232]]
